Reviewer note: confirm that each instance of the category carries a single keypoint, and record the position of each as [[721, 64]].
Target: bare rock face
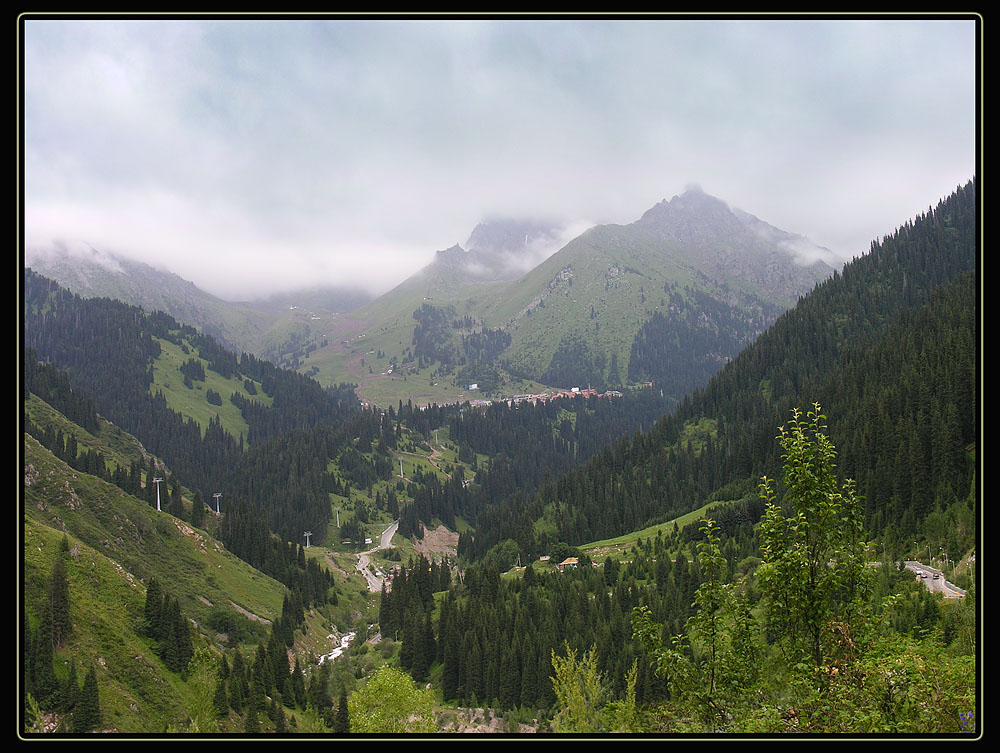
[[730, 244]]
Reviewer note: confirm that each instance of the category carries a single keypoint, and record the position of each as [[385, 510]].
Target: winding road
[[374, 582], [934, 583]]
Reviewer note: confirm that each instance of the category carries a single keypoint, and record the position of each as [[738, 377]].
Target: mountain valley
[[575, 536]]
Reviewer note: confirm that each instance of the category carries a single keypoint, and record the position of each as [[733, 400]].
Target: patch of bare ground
[[438, 541], [332, 564], [480, 721], [249, 614]]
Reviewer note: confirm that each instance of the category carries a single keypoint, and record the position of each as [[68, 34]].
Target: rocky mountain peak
[[692, 216], [503, 235]]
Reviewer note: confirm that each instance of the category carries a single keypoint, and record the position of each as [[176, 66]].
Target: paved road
[[385, 542], [934, 584]]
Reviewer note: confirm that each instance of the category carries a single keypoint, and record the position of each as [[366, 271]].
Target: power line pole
[[157, 482]]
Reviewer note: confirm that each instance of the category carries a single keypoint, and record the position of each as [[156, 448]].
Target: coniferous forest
[[768, 517]]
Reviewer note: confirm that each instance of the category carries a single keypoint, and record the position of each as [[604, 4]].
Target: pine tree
[[251, 724], [58, 602], [87, 714], [299, 685], [529, 667], [71, 690], [238, 689], [46, 685], [154, 607], [510, 678], [343, 720], [197, 510], [220, 701], [185, 644], [288, 693]]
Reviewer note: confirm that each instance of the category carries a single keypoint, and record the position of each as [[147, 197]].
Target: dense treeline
[[904, 404], [680, 350], [528, 444], [493, 637], [265, 683], [497, 640], [484, 346], [576, 364], [433, 341], [66, 448], [244, 532], [52, 386], [432, 334], [106, 349]]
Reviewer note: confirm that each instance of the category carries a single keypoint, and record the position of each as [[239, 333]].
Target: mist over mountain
[[667, 298], [508, 247], [500, 248], [729, 242], [242, 326]]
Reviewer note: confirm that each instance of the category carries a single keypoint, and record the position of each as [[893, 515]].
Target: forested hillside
[[697, 626], [108, 350], [905, 402], [756, 622]]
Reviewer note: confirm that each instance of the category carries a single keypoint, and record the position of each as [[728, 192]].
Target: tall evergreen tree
[[87, 714], [154, 607], [197, 510], [71, 690], [45, 683], [58, 602], [220, 701], [343, 720]]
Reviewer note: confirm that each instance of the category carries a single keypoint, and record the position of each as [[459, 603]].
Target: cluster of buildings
[[544, 397]]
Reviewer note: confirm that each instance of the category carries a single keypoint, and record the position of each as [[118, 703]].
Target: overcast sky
[[251, 156]]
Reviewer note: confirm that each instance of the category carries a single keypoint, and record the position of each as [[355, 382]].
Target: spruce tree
[[58, 602], [299, 685], [220, 701], [343, 721], [197, 511], [71, 690], [46, 685], [154, 607], [166, 635], [238, 689], [185, 644], [87, 714], [251, 724]]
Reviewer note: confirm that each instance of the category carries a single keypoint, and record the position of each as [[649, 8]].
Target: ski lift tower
[[307, 534], [157, 482], [218, 504]]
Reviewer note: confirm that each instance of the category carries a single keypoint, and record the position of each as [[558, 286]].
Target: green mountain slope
[[904, 401], [718, 274], [117, 544]]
